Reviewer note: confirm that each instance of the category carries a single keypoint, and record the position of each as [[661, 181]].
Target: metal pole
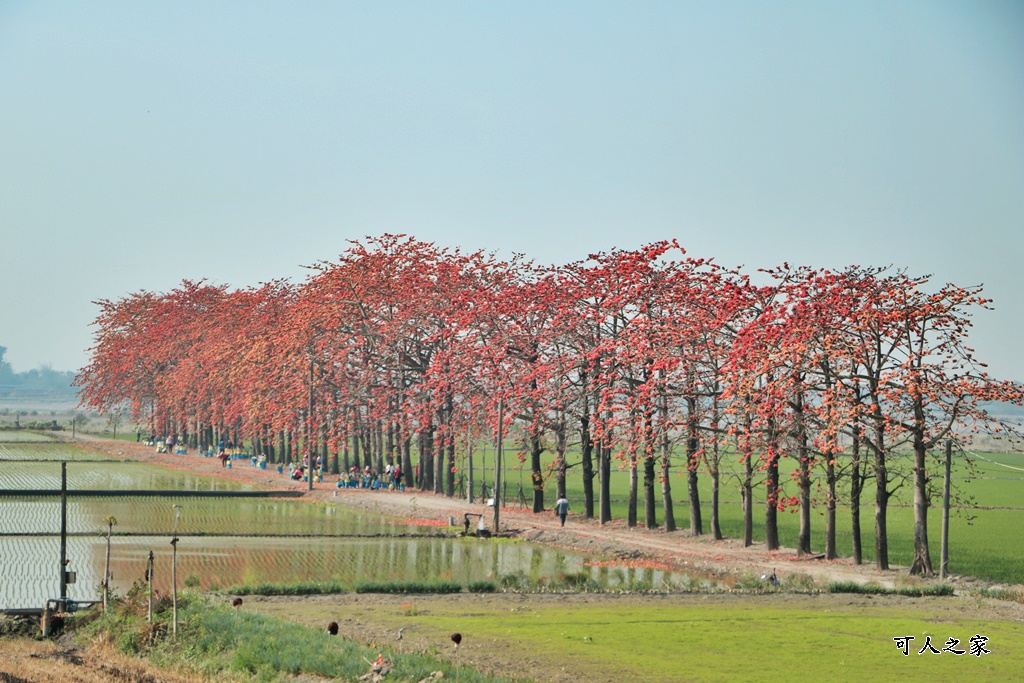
[[64, 532], [497, 463], [469, 487], [309, 428], [944, 561], [174, 568], [149, 578], [106, 565]]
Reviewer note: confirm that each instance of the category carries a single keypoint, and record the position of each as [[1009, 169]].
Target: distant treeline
[[43, 382]]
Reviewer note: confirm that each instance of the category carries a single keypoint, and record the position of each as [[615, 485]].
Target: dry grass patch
[[29, 661]]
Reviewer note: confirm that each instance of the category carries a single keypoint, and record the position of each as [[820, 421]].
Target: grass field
[[984, 542], [702, 638]]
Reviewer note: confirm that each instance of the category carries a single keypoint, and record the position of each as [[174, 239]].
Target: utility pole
[[64, 533], [497, 464], [469, 487], [309, 428], [944, 554]]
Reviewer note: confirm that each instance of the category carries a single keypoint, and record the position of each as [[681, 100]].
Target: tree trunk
[[716, 526], [666, 464], [560, 447], [830, 507], [881, 500], [378, 447], [536, 472], [771, 506], [666, 490], [804, 481], [856, 488], [692, 463], [449, 474], [407, 472], [803, 544], [605, 470], [346, 461], [356, 462], [389, 454], [650, 505], [427, 458], [587, 466], [747, 493], [922, 564], [633, 491], [439, 457]]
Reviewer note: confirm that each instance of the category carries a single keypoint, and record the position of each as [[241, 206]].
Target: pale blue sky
[[146, 142]]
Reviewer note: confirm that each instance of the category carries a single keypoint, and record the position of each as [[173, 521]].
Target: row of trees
[[42, 382], [626, 358]]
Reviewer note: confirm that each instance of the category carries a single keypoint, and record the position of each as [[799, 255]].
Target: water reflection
[[226, 541]]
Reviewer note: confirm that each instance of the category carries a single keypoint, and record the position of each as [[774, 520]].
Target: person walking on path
[[562, 509]]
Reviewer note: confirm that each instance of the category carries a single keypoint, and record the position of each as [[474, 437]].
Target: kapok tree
[[938, 389]]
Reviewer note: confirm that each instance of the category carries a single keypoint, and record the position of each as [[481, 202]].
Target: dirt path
[[700, 555]]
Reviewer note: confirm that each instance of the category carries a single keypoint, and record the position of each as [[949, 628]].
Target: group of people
[[178, 446], [391, 479], [167, 445]]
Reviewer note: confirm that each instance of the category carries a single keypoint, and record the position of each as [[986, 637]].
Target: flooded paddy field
[[228, 541]]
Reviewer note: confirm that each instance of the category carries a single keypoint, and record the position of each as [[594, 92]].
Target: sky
[[142, 144]]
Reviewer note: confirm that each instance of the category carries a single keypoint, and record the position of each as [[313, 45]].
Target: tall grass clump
[[933, 590], [407, 587], [486, 586], [296, 588]]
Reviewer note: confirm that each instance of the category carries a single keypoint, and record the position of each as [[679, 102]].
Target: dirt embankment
[[31, 661]]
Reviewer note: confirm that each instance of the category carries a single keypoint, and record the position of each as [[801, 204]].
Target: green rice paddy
[[225, 541]]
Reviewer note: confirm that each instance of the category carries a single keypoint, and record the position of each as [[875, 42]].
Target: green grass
[[724, 637], [986, 543], [218, 641]]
